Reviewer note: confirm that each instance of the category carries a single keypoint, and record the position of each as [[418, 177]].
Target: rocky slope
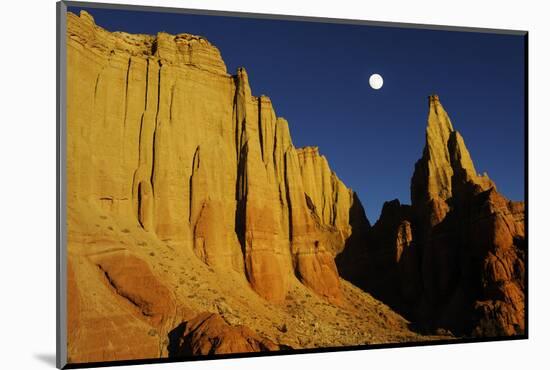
[[194, 224], [455, 259]]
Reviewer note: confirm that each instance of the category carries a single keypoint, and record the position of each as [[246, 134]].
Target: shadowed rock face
[[455, 258]]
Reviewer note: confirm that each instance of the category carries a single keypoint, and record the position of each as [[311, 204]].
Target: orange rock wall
[[159, 133]]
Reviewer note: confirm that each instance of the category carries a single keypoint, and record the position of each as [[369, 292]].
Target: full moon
[[376, 81]]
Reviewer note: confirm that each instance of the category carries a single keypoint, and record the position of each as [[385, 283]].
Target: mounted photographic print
[[236, 184]]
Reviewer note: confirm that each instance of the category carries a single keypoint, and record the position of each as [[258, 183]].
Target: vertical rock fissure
[[140, 137], [139, 205], [172, 92], [127, 82], [279, 167], [146, 83], [242, 157], [194, 169], [335, 203], [241, 193], [290, 235], [154, 145], [235, 118], [97, 80], [143, 177], [96, 85], [158, 92], [260, 133]]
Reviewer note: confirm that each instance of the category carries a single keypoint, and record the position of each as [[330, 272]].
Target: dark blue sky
[[317, 77]]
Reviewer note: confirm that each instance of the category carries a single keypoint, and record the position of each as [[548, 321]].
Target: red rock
[[133, 280], [117, 309], [464, 254], [209, 334]]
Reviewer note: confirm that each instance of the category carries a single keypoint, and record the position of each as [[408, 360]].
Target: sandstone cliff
[[160, 133], [190, 208], [455, 258]]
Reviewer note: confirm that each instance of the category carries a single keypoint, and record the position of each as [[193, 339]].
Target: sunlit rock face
[[455, 259], [161, 135]]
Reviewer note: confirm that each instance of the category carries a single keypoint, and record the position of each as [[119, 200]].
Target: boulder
[[209, 334]]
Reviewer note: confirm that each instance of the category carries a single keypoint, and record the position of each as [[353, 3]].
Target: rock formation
[[208, 334], [160, 133], [196, 227], [190, 208], [117, 308], [455, 258]]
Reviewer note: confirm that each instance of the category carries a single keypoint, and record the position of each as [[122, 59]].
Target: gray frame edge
[[225, 13], [61, 214]]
